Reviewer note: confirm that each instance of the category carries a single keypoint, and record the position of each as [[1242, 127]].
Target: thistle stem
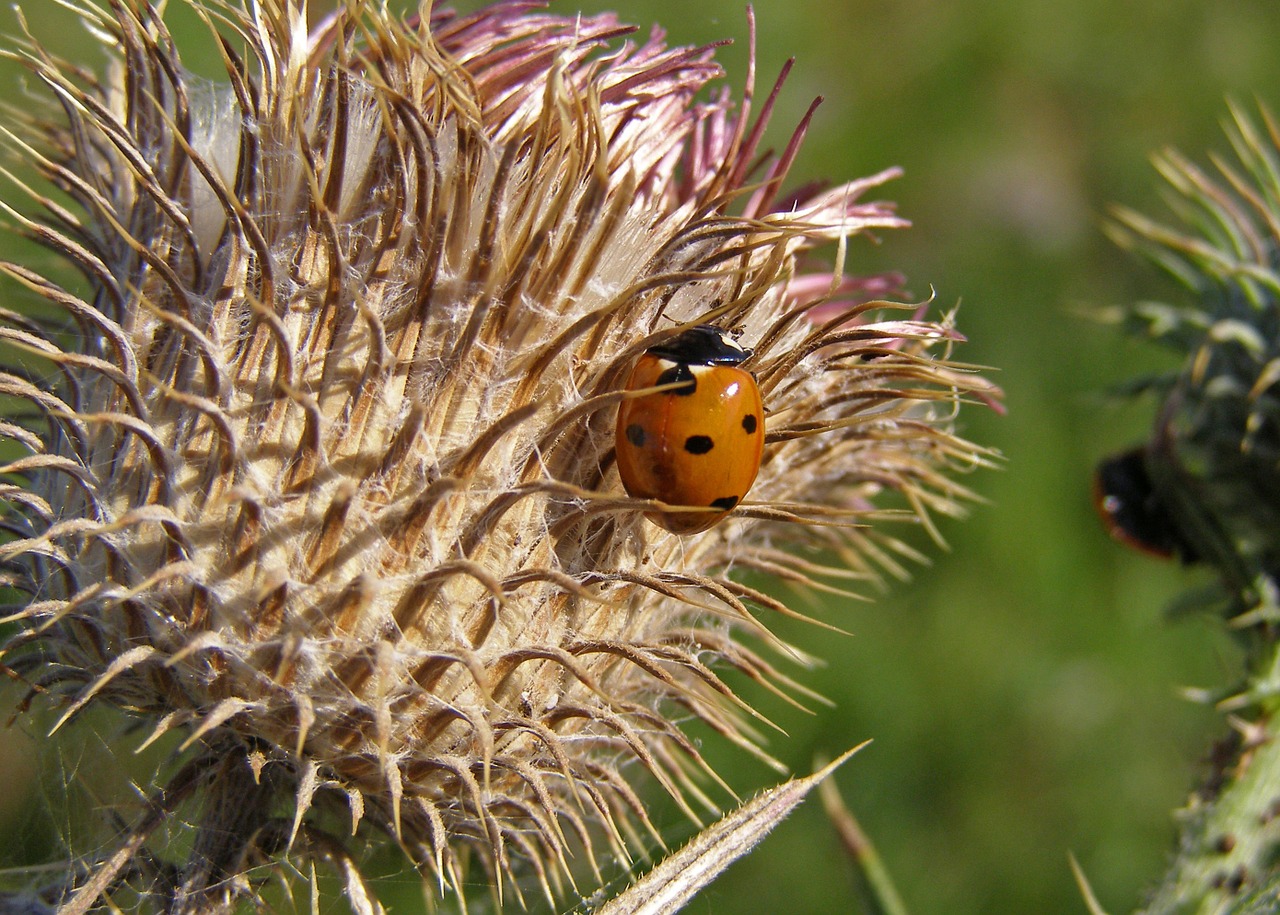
[[873, 885], [237, 807], [1231, 828]]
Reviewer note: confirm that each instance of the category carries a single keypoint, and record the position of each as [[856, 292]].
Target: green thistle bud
[[318, 459], [1214, 457], [1206, 486]]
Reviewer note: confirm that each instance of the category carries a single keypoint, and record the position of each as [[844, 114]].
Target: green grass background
[[1022, 691]]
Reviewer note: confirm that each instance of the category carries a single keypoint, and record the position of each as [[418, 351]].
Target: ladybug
[[1132, 510], [697, 442]]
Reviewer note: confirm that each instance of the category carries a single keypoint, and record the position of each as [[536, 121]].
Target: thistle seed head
[[317, 452]]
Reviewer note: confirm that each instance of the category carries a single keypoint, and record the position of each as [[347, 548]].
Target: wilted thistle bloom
[[319, 463]]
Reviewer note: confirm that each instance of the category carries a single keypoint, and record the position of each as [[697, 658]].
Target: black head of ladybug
[[702, 344], [1132, 509]]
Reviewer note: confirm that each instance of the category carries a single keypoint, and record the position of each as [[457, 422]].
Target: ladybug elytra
[[698, 441]]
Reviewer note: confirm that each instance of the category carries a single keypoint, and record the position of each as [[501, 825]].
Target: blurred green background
[[1023, 690]]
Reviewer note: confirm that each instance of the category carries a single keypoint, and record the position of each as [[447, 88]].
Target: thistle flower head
[[318, 461], [1213, 459]]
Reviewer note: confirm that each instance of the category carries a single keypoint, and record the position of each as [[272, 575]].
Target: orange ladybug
[[698, 442]]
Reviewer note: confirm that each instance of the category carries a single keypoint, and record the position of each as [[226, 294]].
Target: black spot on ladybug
[[725, 502], [679, 373], [749, 423], [635, 435], [698, 444]]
